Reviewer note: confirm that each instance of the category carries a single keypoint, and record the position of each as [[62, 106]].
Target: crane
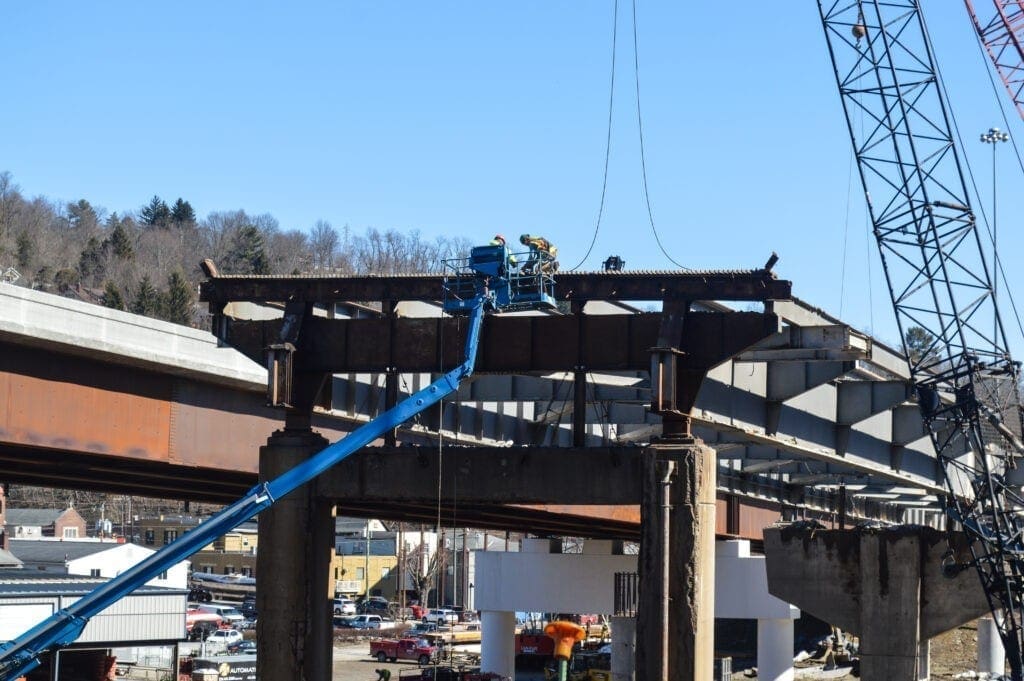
[[484, 281], [965, 380], [1002, 33]]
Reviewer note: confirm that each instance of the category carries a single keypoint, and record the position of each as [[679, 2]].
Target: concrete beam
[[834, 342]]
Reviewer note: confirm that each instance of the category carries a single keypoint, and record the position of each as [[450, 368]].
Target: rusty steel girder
[[738, 285], [507, 344]]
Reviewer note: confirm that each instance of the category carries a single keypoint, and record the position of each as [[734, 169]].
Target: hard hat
[[498, 237]]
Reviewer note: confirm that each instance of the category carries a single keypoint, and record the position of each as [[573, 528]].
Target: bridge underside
[[804, 413]]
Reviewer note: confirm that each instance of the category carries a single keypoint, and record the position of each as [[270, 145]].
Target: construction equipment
[[488, 290], [966, 381], [1001, 31]]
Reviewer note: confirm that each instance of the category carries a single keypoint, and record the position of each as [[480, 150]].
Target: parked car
[[344, 606], [218, 641], [376, 605], [441, 616], [372, 622], [344, 621], [248, 607], [421, 628], [403, 649], [199, 625], [227, 612], [242, 647]]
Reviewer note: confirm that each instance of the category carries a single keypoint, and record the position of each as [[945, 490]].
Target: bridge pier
[[294, 628], [675, 617]]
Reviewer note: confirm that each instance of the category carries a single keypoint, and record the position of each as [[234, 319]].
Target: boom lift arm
[[21, 655], [965, 379]]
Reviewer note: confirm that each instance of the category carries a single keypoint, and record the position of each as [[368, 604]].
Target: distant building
[[32, 523], [91, 559], [234, 553]]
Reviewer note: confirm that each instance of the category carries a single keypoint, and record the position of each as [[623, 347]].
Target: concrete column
[[294, 631], [890, 593], [991, 655], [775, 649], [623, 648], [675, 620], [498, 643]]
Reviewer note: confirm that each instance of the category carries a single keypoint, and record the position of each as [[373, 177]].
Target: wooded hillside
[[146, 259]]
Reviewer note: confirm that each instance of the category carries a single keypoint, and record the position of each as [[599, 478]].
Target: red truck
[[403, 649]]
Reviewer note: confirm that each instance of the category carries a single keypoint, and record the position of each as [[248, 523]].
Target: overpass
[[801, 411], [807, 416]]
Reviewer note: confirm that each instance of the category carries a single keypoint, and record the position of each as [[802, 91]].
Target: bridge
[[143, 407], [807, 417]]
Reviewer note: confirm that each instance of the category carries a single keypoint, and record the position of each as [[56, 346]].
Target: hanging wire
[[608, 139], [643, 156], [846, 234]]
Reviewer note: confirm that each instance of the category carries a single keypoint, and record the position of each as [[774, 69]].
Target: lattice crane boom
[[1002, 33], [939, 282]]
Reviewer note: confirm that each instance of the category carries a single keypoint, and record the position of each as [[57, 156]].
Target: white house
[[92, 559]]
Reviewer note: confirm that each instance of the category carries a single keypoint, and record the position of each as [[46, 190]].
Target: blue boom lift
[[485, 281]]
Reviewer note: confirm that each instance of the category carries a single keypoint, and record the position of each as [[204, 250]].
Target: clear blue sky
[[467, 118]]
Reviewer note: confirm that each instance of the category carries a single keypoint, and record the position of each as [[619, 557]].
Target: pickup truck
[[403, 649], [372, 622]]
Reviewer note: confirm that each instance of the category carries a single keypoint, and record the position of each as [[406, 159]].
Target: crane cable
[[608, 139], [643, 158], [608, 142]]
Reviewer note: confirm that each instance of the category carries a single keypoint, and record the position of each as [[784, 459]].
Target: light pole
[[993, 137]]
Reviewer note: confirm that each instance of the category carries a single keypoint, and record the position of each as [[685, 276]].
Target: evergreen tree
[[82, 215], [178, 304], [91, 260], [156, 214], [112, 296], [248, 254], [920, 345], [26, 246], [147, 299], [120, 242], [182, 213]]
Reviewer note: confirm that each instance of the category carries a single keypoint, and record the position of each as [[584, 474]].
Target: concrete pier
[[294, 632], [623, 648], [497, 644], [885, 585], [741, 592], [675, 617]]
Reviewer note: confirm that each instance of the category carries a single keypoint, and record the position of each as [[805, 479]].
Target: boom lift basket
[[490, 273]]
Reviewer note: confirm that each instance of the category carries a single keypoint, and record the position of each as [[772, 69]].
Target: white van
[[228, 612]]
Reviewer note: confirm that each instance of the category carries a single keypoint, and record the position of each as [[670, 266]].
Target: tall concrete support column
[[294, 632], [675, 614], [890, 593], [991, 655], [775, 649], [498, 643], [623, 648]]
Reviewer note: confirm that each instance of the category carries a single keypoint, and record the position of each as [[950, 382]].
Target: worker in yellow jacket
[[542, 254]]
